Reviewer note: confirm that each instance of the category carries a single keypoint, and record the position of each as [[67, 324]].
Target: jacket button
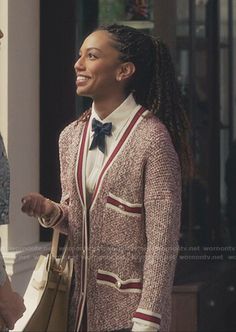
[[83, 252], [118, 284], [120, 206]]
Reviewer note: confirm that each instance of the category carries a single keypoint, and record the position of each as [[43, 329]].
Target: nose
[[79, 65]]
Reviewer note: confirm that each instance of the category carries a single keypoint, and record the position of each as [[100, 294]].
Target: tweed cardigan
[[125, 243]]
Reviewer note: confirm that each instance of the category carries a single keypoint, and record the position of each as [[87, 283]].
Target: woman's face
[[98, 66]]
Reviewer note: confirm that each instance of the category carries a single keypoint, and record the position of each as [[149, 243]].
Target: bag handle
[[55, 242], [60, 266]]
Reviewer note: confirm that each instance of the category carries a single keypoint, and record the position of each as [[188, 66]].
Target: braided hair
[[154, 85]]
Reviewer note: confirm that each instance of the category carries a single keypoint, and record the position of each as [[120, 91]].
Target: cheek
[[102, 71]]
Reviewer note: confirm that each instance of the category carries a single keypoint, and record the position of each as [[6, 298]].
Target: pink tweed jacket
[[124, 242]]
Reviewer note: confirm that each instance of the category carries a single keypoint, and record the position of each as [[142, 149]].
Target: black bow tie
[[100, 131]]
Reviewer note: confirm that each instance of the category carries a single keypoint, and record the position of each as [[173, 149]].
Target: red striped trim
[[106, 277], [80, 308], [113, 280], [117, 148], [133, 285], [148, 318], [80, 163], [126, 208]]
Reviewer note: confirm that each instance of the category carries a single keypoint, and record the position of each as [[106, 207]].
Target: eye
[[92, 56]]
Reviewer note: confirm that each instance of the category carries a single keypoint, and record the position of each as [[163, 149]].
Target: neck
[[106, 106]]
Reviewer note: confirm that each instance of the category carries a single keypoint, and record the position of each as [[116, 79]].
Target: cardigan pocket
[[119, 205], [123, 286], [122, 223]]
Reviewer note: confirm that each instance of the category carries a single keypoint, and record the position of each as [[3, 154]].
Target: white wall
[[19, 123]]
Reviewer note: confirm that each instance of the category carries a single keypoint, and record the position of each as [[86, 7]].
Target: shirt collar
[[118, 117]]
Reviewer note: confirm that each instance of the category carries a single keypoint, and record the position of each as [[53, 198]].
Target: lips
[[81, 79]]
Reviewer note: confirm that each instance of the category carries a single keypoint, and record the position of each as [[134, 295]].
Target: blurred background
[[37, 100]]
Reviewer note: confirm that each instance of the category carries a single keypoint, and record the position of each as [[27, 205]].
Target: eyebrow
[[92, 48]]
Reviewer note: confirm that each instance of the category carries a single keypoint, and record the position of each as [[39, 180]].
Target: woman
[[121, 183]]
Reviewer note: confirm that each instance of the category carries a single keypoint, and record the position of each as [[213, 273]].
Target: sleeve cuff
[[138, 327], [151, 320], [47, 223]]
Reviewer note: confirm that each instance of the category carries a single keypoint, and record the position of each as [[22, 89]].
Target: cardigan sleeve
[[162, 204], [64, 157]]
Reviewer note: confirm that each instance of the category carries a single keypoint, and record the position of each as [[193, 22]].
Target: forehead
[[99, 39]]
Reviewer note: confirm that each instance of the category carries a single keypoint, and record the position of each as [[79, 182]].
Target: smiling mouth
[[81, 79]]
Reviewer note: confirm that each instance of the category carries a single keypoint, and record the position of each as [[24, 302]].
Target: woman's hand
[[36, 205], [11, 305]]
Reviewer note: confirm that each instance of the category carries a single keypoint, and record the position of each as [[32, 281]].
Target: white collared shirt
[[120, 117]]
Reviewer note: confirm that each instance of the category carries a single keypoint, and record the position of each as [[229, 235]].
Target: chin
[[84, 92], [81, 92]]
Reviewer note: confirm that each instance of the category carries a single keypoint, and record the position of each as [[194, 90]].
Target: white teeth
[[82, 78]]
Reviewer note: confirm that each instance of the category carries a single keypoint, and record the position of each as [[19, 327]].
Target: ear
[[125, 71]]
